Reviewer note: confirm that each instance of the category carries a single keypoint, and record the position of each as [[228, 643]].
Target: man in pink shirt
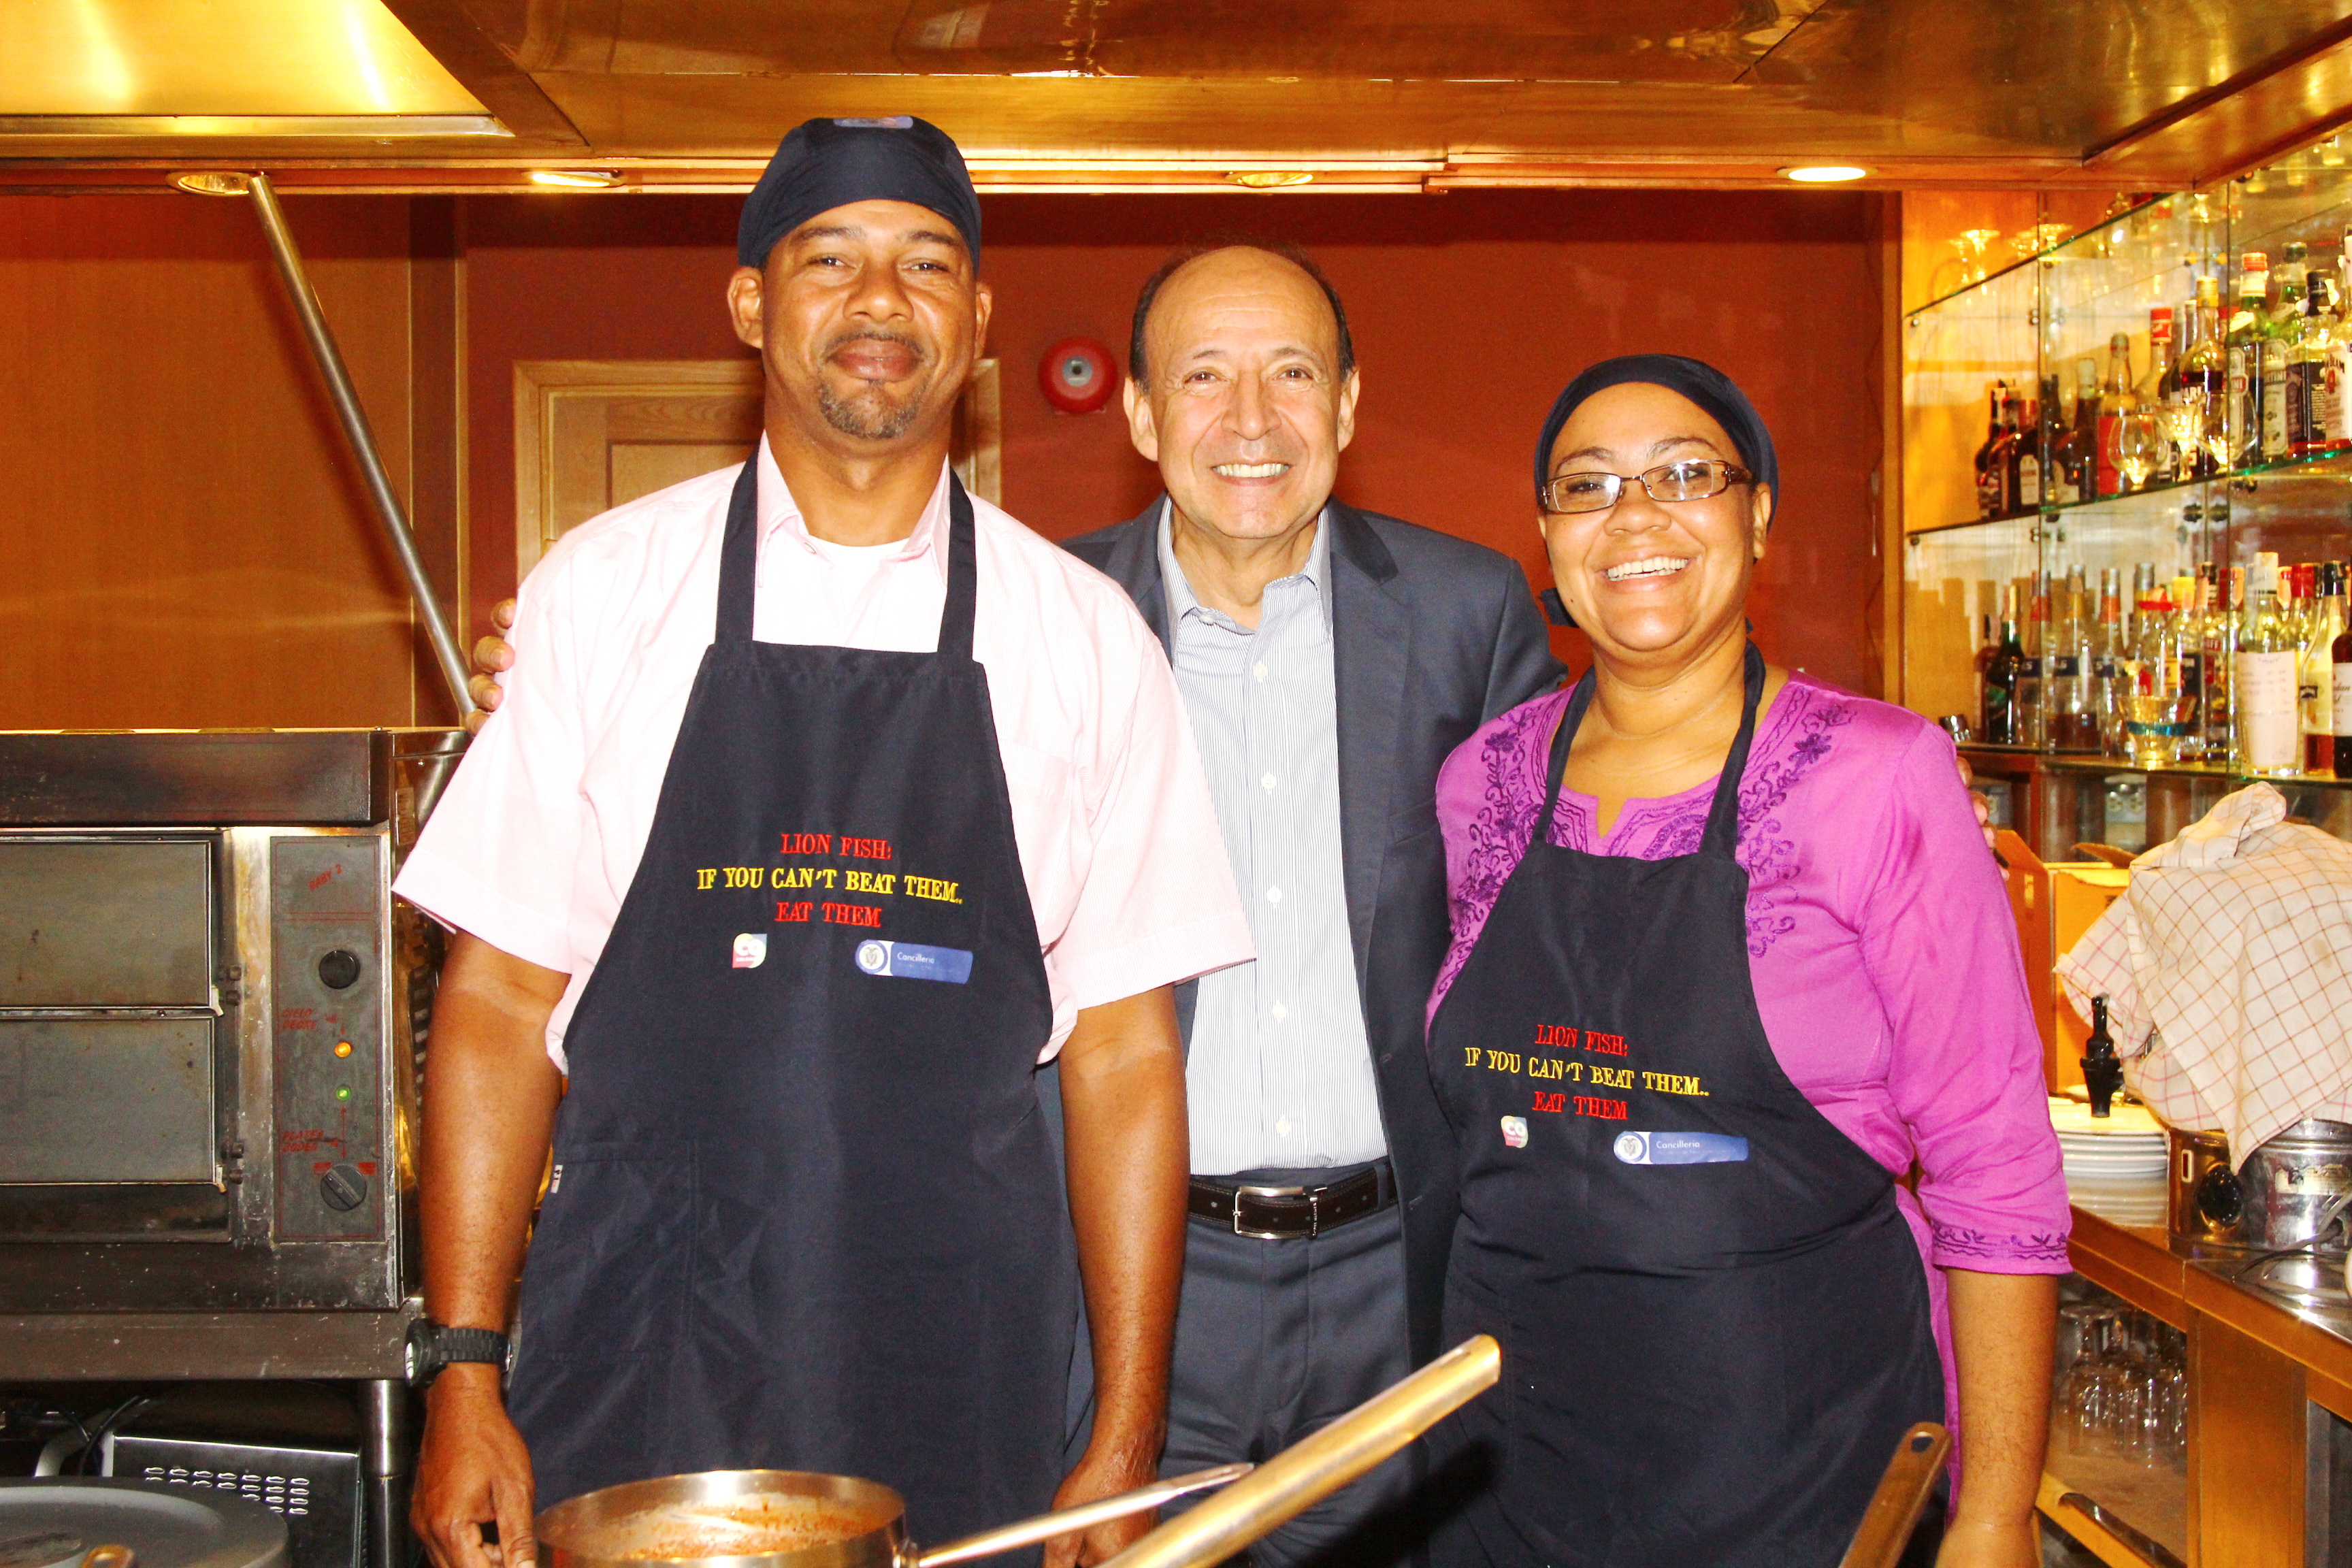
[[826, 804]]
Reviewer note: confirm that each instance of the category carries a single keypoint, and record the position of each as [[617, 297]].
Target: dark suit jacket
[[1432, 637]]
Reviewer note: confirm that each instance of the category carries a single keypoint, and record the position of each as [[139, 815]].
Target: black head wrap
[[1695, 379], [827, 163]]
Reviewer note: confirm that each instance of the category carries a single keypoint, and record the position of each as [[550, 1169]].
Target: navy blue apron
[[806, 1213], [1713, 1319]]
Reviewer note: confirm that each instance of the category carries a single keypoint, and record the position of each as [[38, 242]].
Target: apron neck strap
[[1723, 813], [739, 565]]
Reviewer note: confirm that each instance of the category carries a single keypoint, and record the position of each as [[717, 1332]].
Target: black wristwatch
[[432, 1346]]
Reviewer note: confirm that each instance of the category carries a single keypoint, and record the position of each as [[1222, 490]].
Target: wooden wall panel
[[185, 538]]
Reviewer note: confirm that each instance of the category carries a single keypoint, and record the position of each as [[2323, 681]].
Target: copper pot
[[845, 1522]]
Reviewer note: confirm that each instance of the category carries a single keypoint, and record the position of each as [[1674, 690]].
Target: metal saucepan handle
[[108, 1557], [1306, 1473], [1894, 1509], [1085, 1516]]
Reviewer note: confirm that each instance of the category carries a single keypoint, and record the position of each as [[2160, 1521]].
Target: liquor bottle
[[1992, 477], [2314, 677], [2077, 695], [2156, 382], [2267, 723], [2103, 1070], [2033, 698], [2075, 464], [2286, 311], [2339, 659], [2187, 645], [2244, 359], [2314, 409], [2115, 402], [2014, 440], [2001, 677], [2152, 701], [2203, 372], [2029, 456], [2217, 645], [2107, 651]]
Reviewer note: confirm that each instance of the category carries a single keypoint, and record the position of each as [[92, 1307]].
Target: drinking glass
[[2183, 419], [2084, 1398], [2138, 446]]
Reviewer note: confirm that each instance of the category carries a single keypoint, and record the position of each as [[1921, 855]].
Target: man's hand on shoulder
[[471, 1470], [493, 655]]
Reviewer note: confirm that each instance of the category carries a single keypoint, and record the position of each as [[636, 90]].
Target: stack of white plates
[[2116, 1165]]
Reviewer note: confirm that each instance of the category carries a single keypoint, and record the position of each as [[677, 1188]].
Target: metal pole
[[346, 398], [384, 1454]]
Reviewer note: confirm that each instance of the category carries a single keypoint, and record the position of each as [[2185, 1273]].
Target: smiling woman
[[1713, 913]]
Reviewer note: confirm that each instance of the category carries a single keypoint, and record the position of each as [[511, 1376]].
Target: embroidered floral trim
[[2042, 1246], [1798, 735]]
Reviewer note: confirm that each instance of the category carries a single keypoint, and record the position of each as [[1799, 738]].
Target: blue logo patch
[[912, 961], [1679, 1148]]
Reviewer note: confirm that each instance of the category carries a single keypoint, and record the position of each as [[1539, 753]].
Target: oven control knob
[[343, 1188], [339, 970]]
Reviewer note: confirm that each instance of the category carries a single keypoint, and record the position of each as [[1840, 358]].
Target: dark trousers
[[1274, 1339]]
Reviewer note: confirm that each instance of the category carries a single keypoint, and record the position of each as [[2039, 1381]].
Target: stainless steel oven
[[212, 1018]]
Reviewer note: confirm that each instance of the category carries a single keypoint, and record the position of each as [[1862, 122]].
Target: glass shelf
[[2320, 465], [2057, 239]]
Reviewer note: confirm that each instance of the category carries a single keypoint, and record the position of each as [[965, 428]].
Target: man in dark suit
[[1329, 659]]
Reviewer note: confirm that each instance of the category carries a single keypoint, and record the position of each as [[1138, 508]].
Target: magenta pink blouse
[[1879, 940]]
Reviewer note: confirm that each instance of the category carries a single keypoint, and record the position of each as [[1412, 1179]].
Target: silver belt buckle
[[1314, 1211]]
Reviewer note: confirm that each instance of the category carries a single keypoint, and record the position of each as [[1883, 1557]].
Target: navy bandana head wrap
[[829, 163], [1695, 379]]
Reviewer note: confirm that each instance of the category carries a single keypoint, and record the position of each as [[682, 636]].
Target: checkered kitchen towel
[[2227, 968]]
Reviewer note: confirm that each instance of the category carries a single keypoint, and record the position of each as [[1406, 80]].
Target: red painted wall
[[1470, 311]]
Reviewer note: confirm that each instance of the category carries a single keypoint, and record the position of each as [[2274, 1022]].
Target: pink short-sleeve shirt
[[538, 837]]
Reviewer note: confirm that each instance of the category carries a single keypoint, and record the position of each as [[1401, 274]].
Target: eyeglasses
[[1694, 480]]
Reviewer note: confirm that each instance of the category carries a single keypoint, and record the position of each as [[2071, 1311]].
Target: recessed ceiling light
[[576, 179], [212, 183], [1825, 174], [1269, 179]]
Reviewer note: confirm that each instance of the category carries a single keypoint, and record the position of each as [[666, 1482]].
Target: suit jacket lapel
[[1372, 651], [1134, 564]]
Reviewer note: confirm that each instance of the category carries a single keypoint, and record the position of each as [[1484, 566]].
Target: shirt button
[[1274, 895], [1267, 781], [1259, 672], [1282, 1128], [1280, 1012]]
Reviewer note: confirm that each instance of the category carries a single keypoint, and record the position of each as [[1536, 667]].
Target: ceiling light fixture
[[213, 183], [1270, 179], [576, 179], [1824, 173]]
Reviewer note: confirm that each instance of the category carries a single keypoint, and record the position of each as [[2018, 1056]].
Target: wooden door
[[593, 434]]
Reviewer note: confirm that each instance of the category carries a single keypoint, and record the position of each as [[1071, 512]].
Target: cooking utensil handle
[[1085, 1516], [1306, 1473], [1893, 1510], [108, 1557]]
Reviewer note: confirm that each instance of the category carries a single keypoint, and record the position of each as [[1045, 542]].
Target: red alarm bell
[[1077, 376]]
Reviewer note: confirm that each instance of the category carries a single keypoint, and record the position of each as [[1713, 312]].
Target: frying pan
[[861, 1524]]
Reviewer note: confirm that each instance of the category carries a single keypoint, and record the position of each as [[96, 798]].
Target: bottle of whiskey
[[2107, 652], [2032, 692], [2217, 647], [2188, 652], [2001, 677], [2315, 676], [2268, 728], [2204, 372], [2314, 412], [2244, 359], [2115, 402], [2339, 659], [1993, 476], [2074, 463], [2286, 311], [2028, 456]]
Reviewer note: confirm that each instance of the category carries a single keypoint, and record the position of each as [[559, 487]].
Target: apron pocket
[[605, 1277]]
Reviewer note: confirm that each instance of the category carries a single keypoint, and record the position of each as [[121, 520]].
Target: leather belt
[[1292, 1213]]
